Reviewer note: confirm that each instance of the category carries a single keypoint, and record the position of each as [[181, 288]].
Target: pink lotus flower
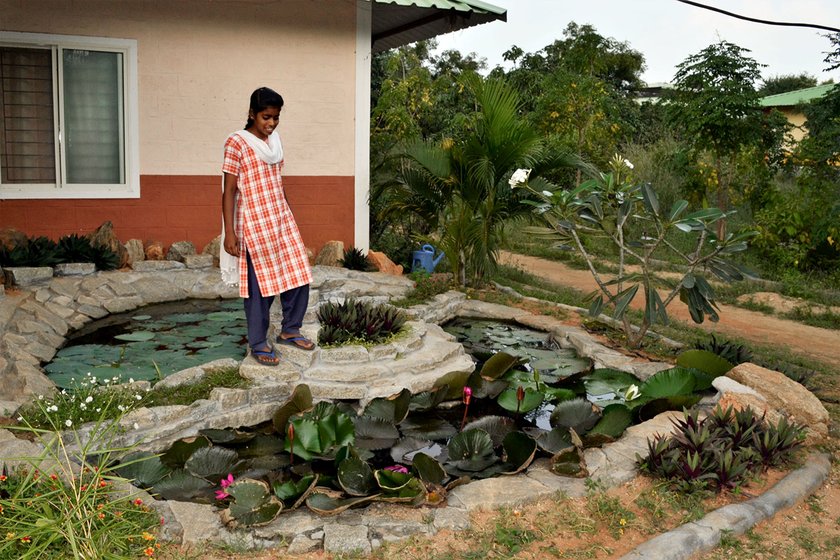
[[397, 468], [227, 481], [221, 494]]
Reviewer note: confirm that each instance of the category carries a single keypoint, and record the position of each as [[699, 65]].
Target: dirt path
[[820, 344]]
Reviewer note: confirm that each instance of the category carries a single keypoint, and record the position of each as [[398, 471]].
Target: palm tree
[[460, 187]]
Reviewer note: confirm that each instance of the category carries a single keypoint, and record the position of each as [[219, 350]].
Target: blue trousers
[[258, 309]]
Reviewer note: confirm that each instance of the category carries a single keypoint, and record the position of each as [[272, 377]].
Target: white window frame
[[130, 133]]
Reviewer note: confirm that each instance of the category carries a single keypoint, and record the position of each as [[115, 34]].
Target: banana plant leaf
[[212, 463], [668, 383], [144, 469], [615, 418], [704, 360], [428, 469], [508, 400], [577, 414], [181, 450], [519, 451], [299, 401], [393, 409], [325, 504], [181, 486], [292, 493], [497, 427], [356, 477]]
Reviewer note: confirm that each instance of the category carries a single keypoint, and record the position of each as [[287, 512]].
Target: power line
[[756, 20]]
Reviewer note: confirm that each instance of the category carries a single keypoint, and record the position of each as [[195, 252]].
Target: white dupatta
[[270, 152]]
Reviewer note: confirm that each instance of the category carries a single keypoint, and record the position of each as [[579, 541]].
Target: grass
[[805, 314], [191, 392]]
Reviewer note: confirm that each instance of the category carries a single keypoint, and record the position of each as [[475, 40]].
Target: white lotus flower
[[632, 393], [519, 177]]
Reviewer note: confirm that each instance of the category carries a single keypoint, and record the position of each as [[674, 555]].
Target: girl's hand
[[232, 244]]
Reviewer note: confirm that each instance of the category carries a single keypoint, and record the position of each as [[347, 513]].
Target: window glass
[[93, 116], [27, 133]]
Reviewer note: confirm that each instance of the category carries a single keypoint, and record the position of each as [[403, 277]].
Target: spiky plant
[[355, 259], [358, 321], [104, 258], [729, 351], [75, 248]]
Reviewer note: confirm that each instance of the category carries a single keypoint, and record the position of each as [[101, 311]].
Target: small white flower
[[93, 380], [121, 408], [64, 391], [20, 418], [131, 380], [136, 426], [115, 379], [98, 410], [83, 406], [88, 374], [68, 423], [40, 397], [519, 177], [52, 408], [632, 393], [547, 193], [89, 399], [628, 163], [138, 397]]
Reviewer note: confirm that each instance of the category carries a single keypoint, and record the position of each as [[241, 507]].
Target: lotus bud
[[291, 435], [397, 468], [520, 396], [467, 397]]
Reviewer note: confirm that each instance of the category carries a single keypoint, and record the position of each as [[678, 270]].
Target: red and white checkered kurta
[[264, 223]]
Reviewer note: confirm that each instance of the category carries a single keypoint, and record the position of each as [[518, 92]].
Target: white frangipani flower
[[519, 177]]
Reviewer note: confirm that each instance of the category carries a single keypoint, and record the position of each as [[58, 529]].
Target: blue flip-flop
[[265, 357], [294, 341]]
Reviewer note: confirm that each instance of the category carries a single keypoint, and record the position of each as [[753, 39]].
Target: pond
[[152, 342]]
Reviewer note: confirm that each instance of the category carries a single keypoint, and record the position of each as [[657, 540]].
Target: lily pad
[[428, 469], [668, 383], [519, 452], [576, 414], [603, 381], [356, 477], [704, 360], [509, 400], [144, 469], [292, 493], [184, 487], [497, 427], [614, 420], [428, 427], [181, 450], [211, 463], [471, 451], [325, 504]]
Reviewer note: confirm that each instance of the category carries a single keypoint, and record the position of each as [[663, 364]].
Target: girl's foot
[[265, 356], [297, 340]]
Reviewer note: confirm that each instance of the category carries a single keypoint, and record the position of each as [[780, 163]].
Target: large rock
[[179, 250], [154, 251], [104, 235], [331, 254], [213, 249], [135, 250], [11, 238], [24, 276], [384, 264], [785, 396]]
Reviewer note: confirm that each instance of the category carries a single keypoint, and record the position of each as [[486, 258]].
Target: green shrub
[[355, 259], [357, 321], [426, 286]]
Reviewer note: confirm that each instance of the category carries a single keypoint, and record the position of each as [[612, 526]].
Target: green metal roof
[[797, 97], [400, 22]]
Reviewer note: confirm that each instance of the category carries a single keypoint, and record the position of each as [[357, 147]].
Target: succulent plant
[[75, 248], [729, 351], [355, 259], [37, 251], [358, 321], [104, 258]]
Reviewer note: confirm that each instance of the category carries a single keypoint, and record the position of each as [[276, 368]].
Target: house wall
[[797, 118], [198, 62]]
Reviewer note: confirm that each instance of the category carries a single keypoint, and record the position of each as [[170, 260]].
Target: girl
[[260, 230]]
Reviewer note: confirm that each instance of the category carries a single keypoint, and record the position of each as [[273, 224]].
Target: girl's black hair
[[262, 99]]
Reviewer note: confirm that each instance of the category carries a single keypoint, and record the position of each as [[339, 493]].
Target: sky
[[666, 32]]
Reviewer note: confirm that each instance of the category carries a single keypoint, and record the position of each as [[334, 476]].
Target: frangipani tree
[[612, 206]]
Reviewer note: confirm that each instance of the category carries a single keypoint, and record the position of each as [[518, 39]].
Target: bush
[[358, 322], [426, 286], [355, 259]]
